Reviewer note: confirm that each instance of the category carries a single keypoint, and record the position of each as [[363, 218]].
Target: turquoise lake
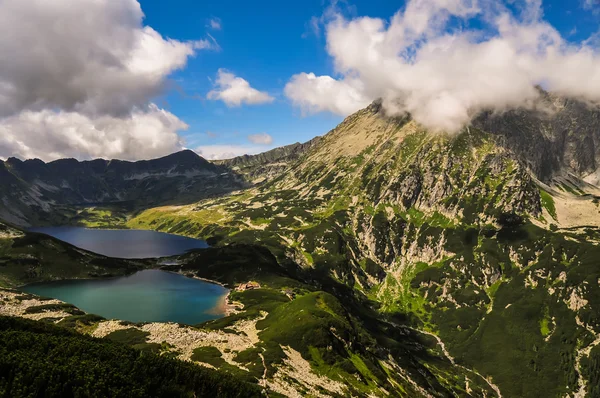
[[124, 243], [146, 296]]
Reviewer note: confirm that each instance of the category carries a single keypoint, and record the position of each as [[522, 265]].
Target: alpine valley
[[379, 260]]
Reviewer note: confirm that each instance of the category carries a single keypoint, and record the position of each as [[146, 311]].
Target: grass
[[100, 217], [544, 328], [548, 203], [328, 326], [39, 359], [170, 218], [131, 336], [209, 355], [63, 307], [516, 328], [82, 323]]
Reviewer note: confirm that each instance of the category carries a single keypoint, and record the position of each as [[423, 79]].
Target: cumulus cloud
[[260, 139], [423, 61], [323, 93], [50, 135], [87, 64], [258, 143], [235, 91]]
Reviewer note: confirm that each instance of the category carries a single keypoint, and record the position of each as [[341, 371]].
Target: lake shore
[[224, 306]]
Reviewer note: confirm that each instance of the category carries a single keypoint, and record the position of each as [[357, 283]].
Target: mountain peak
[[185, 154]]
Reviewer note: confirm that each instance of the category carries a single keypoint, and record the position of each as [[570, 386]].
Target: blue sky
[[265, 43]]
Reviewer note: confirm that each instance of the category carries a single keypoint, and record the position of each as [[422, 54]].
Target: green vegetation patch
[[39, 359], [81, 322], [545, 323], [209, 355], [131, 336], [548, 203], [61, 307]]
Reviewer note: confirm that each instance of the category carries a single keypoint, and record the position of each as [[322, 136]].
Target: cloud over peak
[[257, 143], [227, 151], [323, 93], [235, 91], [427, 62]]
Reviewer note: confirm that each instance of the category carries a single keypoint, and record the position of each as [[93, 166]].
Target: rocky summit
[[384, 259]]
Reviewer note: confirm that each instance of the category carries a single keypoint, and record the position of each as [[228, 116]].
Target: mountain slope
[[409, 262], [40, 359], [559, 138], [267, 165], [459, 236]]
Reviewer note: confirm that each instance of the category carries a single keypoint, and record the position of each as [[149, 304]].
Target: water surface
[[124, 243], [146, 296]]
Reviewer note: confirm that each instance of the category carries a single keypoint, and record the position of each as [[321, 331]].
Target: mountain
[[560, 137], [487, 239], [267, 165], [386, 259], [34, 192]]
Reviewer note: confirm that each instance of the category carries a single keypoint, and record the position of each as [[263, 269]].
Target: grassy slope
[[494, 293], [348, 347], [511, 320], [42, 359], [319, 225]]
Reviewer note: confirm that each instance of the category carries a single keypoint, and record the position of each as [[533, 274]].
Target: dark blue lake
[[124, 243], [146, 296]]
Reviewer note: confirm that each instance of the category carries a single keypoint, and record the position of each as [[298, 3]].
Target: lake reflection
[[146, 296], [124, 243]]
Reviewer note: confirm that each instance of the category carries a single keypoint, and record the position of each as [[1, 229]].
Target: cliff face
[[560, 137]]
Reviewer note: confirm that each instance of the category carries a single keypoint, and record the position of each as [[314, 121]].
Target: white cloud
[[235, 91], [260, 139], [84, 64], [217, 152], [50, 135], [259, 142], [215, 23], [425, 62], [322, 93]]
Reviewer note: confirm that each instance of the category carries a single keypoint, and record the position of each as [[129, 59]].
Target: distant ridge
[[31, 191], [269, 164]]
